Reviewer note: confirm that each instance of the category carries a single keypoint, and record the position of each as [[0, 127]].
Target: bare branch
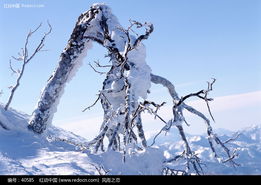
[[11, 67], [20, 58], [210, 88], [25, 60], [50, 28], [99, 65], [35, 30], [149, 30], [88, 108], [101, 73], [155, 137], [233, 138], [100, 169], [231, 159], [40, 45]]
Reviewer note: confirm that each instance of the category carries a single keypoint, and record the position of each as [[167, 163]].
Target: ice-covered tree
[[125, 88]]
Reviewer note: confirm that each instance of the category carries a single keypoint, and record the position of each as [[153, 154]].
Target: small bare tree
[[24, 57]]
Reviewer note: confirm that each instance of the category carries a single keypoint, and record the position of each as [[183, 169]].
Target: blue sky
[[193, 41]]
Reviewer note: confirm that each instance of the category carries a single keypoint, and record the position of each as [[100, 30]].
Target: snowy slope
[[22, 152]]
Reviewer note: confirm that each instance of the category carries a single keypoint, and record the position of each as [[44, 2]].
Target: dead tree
[[24, 57], [125, 88]]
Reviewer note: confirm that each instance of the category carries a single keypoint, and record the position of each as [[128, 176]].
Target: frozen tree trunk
[[85, 31]]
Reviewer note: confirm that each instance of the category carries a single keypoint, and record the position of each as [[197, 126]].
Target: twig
[[100, 169], [101, 73], [88, 108], [233, 138], [210, 88], [99, 65], [11, 67]]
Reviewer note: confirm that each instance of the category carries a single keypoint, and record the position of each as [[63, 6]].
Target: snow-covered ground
[[23, 152]]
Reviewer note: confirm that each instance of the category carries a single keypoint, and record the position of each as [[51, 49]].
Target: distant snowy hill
[[23, 152]]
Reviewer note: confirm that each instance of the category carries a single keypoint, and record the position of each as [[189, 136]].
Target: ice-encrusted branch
[[149, 29], [166, 83], [25, 58], [178, 118], [120, 94]]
